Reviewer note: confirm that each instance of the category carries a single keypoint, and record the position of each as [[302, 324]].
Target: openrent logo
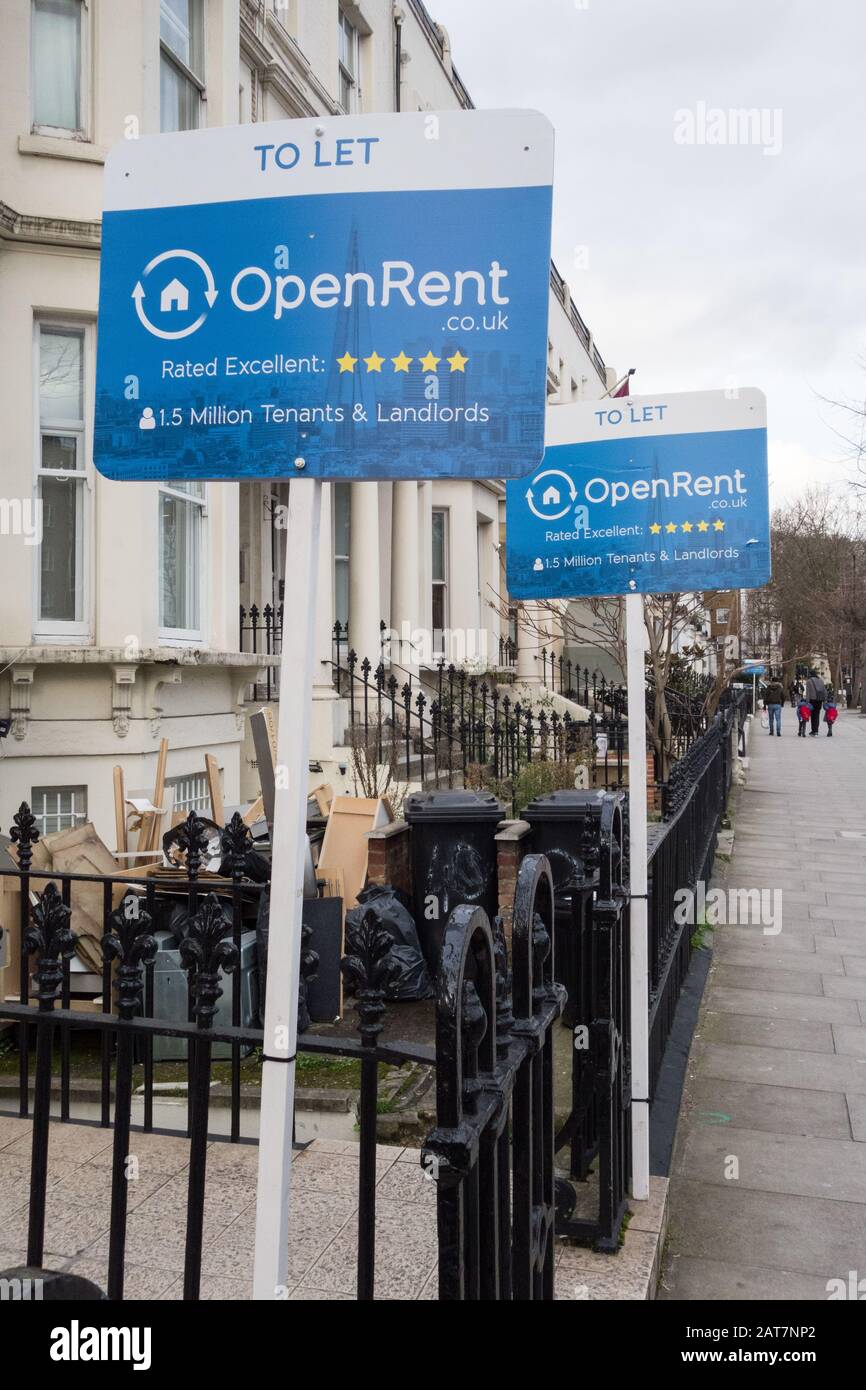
[[77, 1343]]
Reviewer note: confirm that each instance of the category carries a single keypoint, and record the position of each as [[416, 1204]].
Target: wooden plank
[[254, 812], [345, 844], [158, 794], [265, 743], [217, 807], [120, 811]]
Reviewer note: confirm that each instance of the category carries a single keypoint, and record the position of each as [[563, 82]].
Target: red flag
[[622, 390]]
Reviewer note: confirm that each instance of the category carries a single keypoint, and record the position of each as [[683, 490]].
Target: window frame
[[78, 630], [82, 131], [341, 559], [182, 636], [197, 783], [444, 583], [72, 817], [174, 60], [351, 76]]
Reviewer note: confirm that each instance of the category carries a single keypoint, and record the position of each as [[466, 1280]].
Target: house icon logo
[[174, 296], [552, 497]]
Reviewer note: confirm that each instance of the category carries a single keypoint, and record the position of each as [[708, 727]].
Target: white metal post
[[635, 637], [287, 881]]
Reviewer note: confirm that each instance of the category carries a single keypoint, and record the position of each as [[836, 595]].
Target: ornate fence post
[[50, 936], [205, 952], [235, 844], [369, 965], [24, 834], [130, 942]]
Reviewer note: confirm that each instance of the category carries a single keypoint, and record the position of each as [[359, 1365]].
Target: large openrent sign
[[367, 295]]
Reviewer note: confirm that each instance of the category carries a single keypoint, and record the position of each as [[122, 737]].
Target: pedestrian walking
[[831, 714], [774, 698], [816, 694], [804, 715], [793, 694]]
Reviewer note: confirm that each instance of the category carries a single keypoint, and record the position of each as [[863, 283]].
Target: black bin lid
[[567, 804], [453, 806]]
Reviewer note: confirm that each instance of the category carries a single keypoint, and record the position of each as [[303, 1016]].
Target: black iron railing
[[501, 1086], [598, 1130], [492, 1148], [261, 632], [464, 724]]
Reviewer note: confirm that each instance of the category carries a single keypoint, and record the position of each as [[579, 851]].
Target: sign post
[[355, 297], [647, 495], [635, 646]]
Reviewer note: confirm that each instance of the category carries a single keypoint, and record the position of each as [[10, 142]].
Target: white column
[[284, 956], [323, 734], [530, 640], [365, 606], [405, 588]]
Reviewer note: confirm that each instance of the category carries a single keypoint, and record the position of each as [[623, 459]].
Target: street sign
[[352, 297], [648, 494]]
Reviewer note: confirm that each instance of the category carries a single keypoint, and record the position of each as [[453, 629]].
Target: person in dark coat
[[816, 694], [774, 698]]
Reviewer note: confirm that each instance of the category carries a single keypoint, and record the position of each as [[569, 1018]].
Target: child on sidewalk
[[831, 714], [804, 715]]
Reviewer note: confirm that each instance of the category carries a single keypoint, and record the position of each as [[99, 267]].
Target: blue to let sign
[[360, 297], [650, 494]]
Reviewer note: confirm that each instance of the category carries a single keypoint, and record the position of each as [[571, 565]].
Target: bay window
[[181, 524], [342, 521], [348, 63], [440, 580], [61, 476], [181, 68], [57, 65]]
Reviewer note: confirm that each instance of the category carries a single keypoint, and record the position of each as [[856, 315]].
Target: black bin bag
[[410, 978]]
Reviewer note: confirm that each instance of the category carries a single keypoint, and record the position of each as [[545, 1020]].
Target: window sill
[[56, 147]]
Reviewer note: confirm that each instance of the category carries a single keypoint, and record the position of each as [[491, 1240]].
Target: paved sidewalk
[[323, 1242], [776, 1089]]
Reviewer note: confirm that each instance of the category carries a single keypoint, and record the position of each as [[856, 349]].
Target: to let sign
[[650, 494], [357, 297]]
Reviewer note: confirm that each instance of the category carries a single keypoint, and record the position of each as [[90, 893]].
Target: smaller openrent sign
[[650, 494]]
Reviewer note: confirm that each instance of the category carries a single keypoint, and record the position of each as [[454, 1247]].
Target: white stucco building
[[122, 626]]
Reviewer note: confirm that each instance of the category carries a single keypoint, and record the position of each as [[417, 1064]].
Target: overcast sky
[[704, 264]]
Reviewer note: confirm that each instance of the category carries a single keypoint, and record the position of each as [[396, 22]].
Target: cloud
[[705, 263]]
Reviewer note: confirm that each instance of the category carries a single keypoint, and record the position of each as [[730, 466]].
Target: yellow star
[[703, 526], [718, 526], [374, 362], [458, 362], [401, 362], [655, 528], [347, 362], [686, 526], [671, 527], [430, 363]]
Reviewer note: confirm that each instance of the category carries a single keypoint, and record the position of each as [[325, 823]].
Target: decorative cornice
[[48, 231]]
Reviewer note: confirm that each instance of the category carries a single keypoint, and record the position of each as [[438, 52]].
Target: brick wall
[[388, 856], [512, 842]]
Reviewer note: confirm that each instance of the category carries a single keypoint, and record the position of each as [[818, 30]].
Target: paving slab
[[777, 1109], [817, 1009], [772, 1032]]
